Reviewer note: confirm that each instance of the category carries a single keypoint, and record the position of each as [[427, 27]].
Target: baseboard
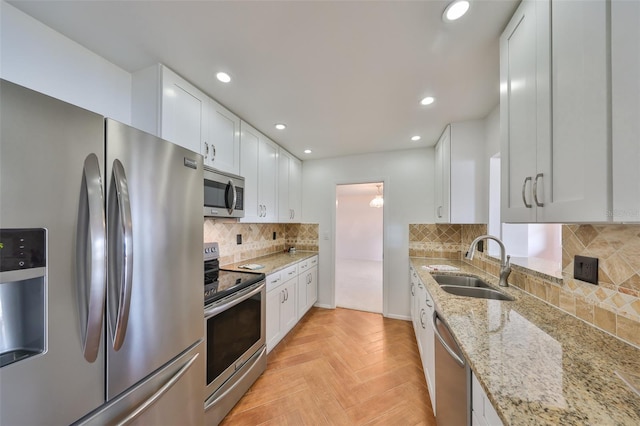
[[398, 317], [320, 305]]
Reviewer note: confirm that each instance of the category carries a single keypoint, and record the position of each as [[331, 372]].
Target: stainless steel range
[[235, 313]]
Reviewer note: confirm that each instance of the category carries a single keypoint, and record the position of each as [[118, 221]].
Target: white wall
[[35, 56], [409, 196], [358, 228]]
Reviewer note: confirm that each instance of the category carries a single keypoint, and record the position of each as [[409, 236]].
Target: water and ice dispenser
[[22, 294]]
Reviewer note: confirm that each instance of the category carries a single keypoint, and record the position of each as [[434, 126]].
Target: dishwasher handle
[[459, 360]]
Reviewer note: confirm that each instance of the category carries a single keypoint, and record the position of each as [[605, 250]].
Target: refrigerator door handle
[[159, 393], [120, 236], [91, 258]]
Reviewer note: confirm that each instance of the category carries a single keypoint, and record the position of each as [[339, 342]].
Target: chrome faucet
[[505, 265]]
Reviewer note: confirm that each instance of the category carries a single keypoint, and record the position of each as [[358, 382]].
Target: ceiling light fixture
[[427, 101], [307, 151], [378, 201], [281, 126], [455, 10], [223, 77], [415, 138]]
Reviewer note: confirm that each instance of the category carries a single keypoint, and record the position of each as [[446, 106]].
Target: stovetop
[[229, 282]]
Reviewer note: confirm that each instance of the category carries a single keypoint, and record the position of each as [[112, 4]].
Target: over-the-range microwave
[[223, 194]]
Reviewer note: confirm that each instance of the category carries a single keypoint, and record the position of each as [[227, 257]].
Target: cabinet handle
[[524, 197], [427, 301], [535, 190], [422, 315], [206, 150], [439, 211], [413, 292], [213, 152]]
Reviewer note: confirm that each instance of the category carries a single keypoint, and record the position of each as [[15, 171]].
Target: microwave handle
[[231, 204]]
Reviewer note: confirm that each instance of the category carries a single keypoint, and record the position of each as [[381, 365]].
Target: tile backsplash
[[258, 238], [613, 305]]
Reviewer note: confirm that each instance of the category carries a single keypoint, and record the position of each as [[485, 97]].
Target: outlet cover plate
[[585, 269], [238, 239]]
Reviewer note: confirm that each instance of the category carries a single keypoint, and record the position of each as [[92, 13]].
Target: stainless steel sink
[[478, 292], [460, 281]]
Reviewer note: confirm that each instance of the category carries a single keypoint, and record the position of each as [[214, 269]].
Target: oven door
[[235, 330]]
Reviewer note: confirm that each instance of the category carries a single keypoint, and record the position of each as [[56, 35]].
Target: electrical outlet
[[239, 239], [585, 269], [274, 235], [480, 246]]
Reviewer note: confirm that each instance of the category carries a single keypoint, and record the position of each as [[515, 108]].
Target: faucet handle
[[507, 264]]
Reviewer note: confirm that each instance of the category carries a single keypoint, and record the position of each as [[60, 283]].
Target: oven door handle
[[216, 309]]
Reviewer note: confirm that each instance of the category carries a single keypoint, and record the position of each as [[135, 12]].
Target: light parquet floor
[[340, 367]]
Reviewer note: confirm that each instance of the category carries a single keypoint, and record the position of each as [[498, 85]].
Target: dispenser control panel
[[22, 249]]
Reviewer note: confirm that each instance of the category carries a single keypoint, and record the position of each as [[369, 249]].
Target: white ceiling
[[345, 76]]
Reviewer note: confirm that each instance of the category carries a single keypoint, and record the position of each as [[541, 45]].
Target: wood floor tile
[[340, 367]]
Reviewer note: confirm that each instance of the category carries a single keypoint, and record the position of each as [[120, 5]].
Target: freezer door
[[172, 396], [155, 257], [46, 182]]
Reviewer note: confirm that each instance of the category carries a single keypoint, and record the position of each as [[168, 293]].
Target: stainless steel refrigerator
[[106, 325]]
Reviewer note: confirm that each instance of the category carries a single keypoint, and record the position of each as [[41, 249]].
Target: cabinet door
[[249, 144], [302, 294], [443, 177], [625, 127], [183, 109], [274, 333], [575, 160], [289, 187], [268, 179], [224, 139], [428, 347], [284, 166], [312, 288], [288, 308], [518, 114]]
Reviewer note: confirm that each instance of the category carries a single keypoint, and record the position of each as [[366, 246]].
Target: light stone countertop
[[272, 262], [537, 364]]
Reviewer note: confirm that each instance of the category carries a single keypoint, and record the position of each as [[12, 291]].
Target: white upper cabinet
[[555, 143], [289, 187], [167, 106], [221, 148], [625, 86], [259, 166], [461, 189]]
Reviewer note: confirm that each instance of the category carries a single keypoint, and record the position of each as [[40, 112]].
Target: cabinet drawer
[[303, 265], [289, 272], [313, 261], [274, 280]]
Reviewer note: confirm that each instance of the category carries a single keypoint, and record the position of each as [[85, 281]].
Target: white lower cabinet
[[482, 412], [291, 292], [281, 308], [422, 312], [307, 285]]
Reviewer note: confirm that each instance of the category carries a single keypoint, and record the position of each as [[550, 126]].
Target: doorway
[[359, 246]]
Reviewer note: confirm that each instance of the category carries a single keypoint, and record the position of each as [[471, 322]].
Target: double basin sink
[[469, 287]]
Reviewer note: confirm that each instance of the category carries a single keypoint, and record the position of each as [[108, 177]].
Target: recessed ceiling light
[[455, 10], [223, 77], [427, 101], [307, 151], [415, 138], [281, 126]]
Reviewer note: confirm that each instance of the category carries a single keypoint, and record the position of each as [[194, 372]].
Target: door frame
[[385, 257]]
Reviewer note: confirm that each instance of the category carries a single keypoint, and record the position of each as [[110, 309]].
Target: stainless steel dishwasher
[[453, 379]]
